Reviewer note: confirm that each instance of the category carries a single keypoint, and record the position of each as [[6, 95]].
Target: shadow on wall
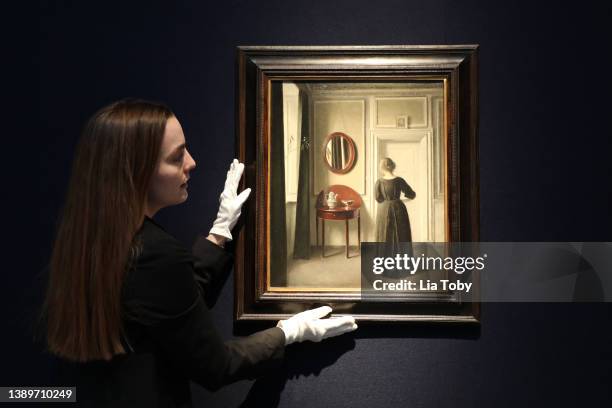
[[298, 361]]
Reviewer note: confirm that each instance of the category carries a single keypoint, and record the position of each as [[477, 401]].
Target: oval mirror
[[339, 152]]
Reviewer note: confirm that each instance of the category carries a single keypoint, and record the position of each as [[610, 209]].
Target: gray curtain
[[301, 245], [278, 223], [337, 152], [345, 153]]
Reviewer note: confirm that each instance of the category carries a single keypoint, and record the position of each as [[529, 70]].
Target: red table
[[339, 213]]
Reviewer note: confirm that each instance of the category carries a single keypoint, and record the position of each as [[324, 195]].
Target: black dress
[[170, 331], [392, 222]]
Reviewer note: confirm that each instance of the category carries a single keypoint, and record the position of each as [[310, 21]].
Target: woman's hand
[[310, 325], [230, 202], [217, 239]]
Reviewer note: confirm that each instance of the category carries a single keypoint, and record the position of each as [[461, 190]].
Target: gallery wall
[[544, 161]]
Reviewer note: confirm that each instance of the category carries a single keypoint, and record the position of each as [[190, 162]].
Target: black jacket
[[166, 300]]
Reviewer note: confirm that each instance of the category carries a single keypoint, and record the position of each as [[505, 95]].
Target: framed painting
[[349, 150]]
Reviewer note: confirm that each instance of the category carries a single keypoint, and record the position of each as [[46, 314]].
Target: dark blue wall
[[545, 149]]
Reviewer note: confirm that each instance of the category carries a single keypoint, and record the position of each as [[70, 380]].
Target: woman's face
[[169, 182]]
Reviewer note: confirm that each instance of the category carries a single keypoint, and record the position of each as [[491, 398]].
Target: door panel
[[410, 155]]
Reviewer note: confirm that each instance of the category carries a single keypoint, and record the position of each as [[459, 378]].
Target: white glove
[[230, 203], [309, 325]]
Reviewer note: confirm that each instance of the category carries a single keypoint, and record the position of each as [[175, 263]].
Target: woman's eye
[[179, 158]]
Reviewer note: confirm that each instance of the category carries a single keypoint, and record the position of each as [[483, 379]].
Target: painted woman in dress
[[392, 222]]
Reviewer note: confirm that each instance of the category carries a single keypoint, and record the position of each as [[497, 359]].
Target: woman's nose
[[190, 162]]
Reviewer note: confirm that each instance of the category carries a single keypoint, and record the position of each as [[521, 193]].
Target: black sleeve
[[378, 193], [407, 190], [192, 344], [212, 265], [167, 301]]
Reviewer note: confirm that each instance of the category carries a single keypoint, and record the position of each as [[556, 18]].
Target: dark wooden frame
[[257, 66]]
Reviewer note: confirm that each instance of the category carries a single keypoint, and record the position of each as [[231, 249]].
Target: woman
[[392, 222], [128, 302]]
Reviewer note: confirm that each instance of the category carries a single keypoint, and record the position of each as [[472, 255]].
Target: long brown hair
[[104, 209]]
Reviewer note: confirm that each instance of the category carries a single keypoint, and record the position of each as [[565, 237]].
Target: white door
[[410, 154]]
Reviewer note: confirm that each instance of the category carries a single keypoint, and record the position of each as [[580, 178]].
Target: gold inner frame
[[335, 78]]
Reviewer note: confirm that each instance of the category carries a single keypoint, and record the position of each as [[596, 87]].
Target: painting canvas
[[350, 175]]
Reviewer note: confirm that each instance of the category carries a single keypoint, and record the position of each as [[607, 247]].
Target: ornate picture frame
[[288, 100]]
